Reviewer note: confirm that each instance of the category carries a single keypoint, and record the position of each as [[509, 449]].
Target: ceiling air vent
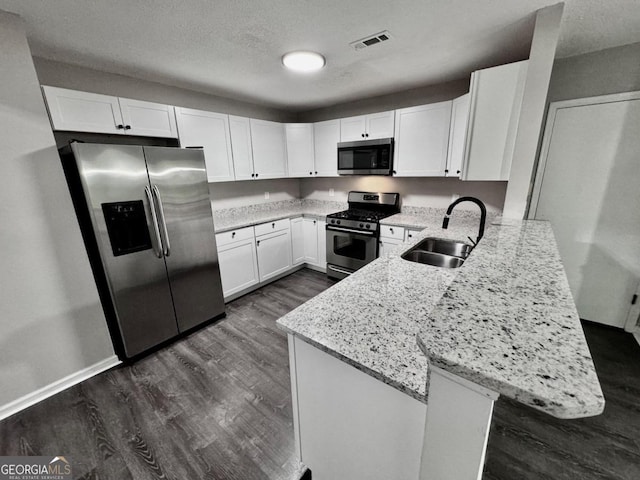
[[371, 40]]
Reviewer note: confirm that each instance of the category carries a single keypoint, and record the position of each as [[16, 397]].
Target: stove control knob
[[333, 221], [361, 225], [367, 226], [338, 222]]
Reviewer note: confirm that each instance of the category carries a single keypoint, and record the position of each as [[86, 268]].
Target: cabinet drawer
[[271, 227], [231, 236], [389, 231], [412, 233]]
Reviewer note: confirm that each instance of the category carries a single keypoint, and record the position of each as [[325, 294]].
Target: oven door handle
[[350, 230], [339, 270]]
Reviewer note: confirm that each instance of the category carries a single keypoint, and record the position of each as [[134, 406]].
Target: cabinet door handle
[[127, 127], [256, 175], [253, 175], [258, 243], [233, 234], [273, 225], [119, 127], [314, 222], [366, 135], [391, 230], [394, 172], [446, 170], [363, 135], [310, 173], [316, 173], [458, 171]]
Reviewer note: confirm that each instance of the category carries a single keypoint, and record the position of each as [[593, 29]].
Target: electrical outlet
[[454, 197], [266, 195], [331, 192]]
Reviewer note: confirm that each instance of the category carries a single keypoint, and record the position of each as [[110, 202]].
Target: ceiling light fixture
[[302, 61]]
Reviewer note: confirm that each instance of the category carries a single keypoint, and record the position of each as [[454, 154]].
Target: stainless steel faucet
[[483, 215]]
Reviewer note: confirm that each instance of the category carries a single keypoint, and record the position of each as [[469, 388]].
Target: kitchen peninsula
[[395, 369]]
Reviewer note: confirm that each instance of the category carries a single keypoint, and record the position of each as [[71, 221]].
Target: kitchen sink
[[439, 252]]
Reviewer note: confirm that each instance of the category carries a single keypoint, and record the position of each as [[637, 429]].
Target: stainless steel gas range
[[352, 235]]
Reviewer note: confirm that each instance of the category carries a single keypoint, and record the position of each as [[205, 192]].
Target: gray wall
[[51, 320], [251, 192], [407, 98], [63, 75], [613, 70]]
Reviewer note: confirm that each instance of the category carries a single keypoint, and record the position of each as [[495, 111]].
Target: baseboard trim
[[58, 386]]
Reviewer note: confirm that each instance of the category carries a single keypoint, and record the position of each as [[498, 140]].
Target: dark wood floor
[[214, 405], [217, 405], [526, 444]]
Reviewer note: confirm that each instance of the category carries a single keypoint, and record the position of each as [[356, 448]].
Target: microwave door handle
[[154, 221], [165, 233]]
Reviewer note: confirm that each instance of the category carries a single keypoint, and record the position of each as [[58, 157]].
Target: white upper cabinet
[[421, 140], [457, 135], [148, 119], [269, 149], [367, 127], [300, 154], [210, 131], [494, 112], [326, 136], [77, 111], [240, 131]]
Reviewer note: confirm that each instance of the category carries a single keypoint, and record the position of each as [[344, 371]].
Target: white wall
[[251, 192], [64, 75], [416, 192], [51, 320]]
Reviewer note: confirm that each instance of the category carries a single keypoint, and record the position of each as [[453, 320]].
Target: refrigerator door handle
[[154, 220], [165, 233]]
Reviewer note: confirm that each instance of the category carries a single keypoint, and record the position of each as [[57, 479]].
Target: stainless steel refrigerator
[[147, 224]]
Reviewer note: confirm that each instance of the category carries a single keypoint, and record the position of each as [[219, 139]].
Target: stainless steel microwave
[[366, 157]]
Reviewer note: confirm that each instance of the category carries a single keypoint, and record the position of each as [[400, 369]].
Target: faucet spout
[[483, 214]]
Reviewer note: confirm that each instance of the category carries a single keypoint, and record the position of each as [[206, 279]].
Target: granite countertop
[[505, 319], [508, 322], [239, 217]]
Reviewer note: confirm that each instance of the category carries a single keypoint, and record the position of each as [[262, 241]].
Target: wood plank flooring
[[526, 444], [217, 405], [214, 405]]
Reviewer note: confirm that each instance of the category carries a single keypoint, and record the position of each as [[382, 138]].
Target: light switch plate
[[266, 195], [331, 192]]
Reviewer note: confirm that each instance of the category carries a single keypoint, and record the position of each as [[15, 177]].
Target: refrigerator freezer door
[[114, 178], [179, 181]]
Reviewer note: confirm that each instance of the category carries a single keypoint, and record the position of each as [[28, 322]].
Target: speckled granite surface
[[508, 322], [423, 217], [371, 318], [233, 218], [510, 298]]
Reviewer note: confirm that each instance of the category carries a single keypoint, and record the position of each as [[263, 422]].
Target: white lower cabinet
[[322, 244], [390, 236], [274, 251], [347, 424], [310, 231], [410, 234], [238, 262], [297, 241]]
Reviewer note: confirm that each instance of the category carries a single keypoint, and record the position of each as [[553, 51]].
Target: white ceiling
[[233, 47]]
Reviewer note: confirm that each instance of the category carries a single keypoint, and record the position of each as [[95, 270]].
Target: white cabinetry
[[300, 154], [457, 135], [210, 131], [269, 149], [240, 131], [310, 228], [238, 262], [494, 112], [273, 246], [421, 140], [410, 234], [347, 424], [322, 244], [297, 241], [390, 236], [77, 111], [367, 127], [326, 136]]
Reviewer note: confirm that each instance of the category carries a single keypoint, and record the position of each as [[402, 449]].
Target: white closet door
[[588, 186]]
